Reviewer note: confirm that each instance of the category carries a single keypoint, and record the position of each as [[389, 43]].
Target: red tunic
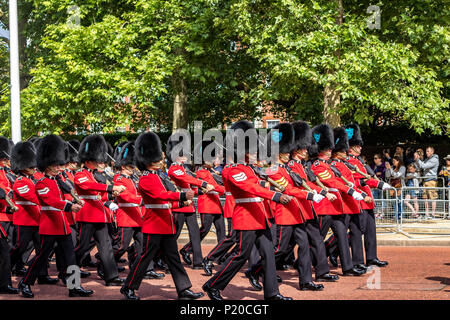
[[249, 212], [323, 171], [53, 220], [370, 183], [229, 200], [298, 210], [5, 184], [27, 201], [349, 204], [210, 202], [92, 193], [130, 211], [158, 217], [184, 181]]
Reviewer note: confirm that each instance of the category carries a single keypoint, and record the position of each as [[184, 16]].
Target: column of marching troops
[[62, 199]]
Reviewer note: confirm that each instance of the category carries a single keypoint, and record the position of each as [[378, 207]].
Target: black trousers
[[24, 236], [24, 258], [194, 233], [5, 264], [283, 239], [126, 234], [152, 244], [369, 230], [317, 248], [246, 239], [224, 246], [207, 221], [337, 225], [47, 244], [103, 242]]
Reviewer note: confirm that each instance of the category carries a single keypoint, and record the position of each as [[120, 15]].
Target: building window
[[272, 123]]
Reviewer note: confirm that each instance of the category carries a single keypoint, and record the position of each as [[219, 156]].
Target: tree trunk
[[332, 96], [180, 115]]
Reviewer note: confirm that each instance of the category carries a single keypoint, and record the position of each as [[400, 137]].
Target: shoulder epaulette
[[316, 163]]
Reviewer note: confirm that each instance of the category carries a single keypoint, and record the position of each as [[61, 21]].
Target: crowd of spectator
[[415, 169]]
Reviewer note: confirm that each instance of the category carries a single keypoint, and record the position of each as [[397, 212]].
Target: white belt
[[246, 200], [213, 192], [26, 203], [89, 197], [158, 206], [50, 209], [185, 189], [228, 194], [333, 190], [128, 205]]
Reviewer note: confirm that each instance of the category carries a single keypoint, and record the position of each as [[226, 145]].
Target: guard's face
[[30, 171], [357, 149], [341, 155], [284, 157], [325, 154], [53, 170]]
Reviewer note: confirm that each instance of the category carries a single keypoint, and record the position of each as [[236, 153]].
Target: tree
[[296, 44]]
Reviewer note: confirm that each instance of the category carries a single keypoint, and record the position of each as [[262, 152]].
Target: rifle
[[356, 169], [266, 177], [339, 175], [298, 181], [313, 178]]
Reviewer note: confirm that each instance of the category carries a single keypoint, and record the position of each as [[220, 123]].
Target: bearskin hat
[[5, 148], [147, 149], [323, 135], [73, 145], [51, 151], [302, 135], [93, 148], [284, 138], [340, 139], [23, 156], [126, 155], [354, 135], [247, 128]]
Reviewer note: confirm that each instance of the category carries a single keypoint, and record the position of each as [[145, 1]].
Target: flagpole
[[16, 130]]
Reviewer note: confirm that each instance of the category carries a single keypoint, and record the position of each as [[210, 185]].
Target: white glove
[[113, 206], [386, 186], [317, 198], [357, 196]]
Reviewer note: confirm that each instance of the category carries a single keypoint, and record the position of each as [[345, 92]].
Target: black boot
[[25, 290], [327, 278], [151, 274], [189, 295], [213, 293], [253, 280], [311, 286], [186, 257], [80, 292], [114, 282], [9, 290], [207, 267], [47, 280], [129, 293]]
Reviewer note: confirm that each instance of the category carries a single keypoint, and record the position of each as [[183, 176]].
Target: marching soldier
[[351, 207], [331, 213], [184, 180], [302, 140], [26, 219], [290, 218], [158, 227], [224, 246], [6, 182], [365, 182], [53, 224], [94, 217], [208, 204], [251, 224]]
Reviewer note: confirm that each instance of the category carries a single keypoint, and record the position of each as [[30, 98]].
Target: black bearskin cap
[[147, 149], [23, 156], [302, 135], [323, 135], [5, 148], [126, 155], [354, 135], [340, 139], [51, 151], [93, 148]]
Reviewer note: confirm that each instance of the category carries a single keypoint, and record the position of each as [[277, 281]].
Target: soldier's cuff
[[109, 189], [380, 185], [310, 196], [362, 182], [204, 184], [107, 203], [183, 196], [68, 207], [350, 191], [323, 193], [272, 188], [364, 194], [262, 183], [276, 197]]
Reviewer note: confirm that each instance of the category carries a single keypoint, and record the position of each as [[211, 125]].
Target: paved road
[[413, 273]]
